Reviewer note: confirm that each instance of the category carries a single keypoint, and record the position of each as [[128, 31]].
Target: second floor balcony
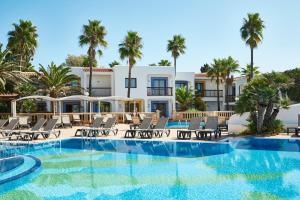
[[159, 91], [209, 93]]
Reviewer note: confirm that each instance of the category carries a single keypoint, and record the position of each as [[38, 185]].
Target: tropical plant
[[263, 97], [246, 71], [199, 103], [75, 61], [164, 63], [204, 68], [293, 91], [8, 70], [152, 64], [22, 42], [93, 35], [252, 34], [177, 47], [230, 66], [113, 63], [55, 79], [130, 48], [184, 98], [216, 72]]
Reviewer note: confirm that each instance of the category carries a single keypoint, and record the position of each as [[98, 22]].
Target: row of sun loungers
[[211, 128], [10, 132]]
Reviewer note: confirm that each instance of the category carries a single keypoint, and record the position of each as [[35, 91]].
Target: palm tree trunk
[[175, 65], [251, 70], [218, 94], [260, 118], [129, 80], [90, 80], [226, 91]]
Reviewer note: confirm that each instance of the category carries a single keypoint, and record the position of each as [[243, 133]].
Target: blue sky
[[211, 29]]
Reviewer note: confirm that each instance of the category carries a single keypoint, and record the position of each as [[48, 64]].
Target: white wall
[[143, 75], [186, 76]]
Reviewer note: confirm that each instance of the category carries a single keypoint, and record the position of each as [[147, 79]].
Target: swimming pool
[[138, 169], [178, 124]]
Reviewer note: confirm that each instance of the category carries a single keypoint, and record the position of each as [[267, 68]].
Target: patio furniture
[[211, 127], [46, 132], [2, 123], [128, 118], [146, 123], [95, 125], [193, 127], [24, 122], [9, 128], [76, 119], [66, 121], [158, 130], [38, 125], [107, 128], [141, 116], [298, 127], [59, 122]]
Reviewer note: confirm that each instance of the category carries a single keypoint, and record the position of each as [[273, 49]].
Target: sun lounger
[[46, 132], [37, 127], [107, 128], [95, 125], [2, 123], [193, 127], [24, 122], [158, 130], [76, 119], [211, 127], [59, 122], [106, 117], [66, 121], [141, 116], [128, 118], [297, 129], [9, 128], [146, 123]]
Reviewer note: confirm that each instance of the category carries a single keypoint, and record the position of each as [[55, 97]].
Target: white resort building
[[153, 87]]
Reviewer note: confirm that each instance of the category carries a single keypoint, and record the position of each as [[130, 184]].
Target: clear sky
[[211, 29]]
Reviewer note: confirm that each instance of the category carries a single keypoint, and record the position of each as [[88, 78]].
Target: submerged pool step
[[17, 167]]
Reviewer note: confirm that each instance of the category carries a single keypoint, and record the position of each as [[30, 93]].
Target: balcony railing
[[159, 91], [100, 91], [209, 93]]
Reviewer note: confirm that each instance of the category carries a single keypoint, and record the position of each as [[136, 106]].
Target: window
[[132, 84], [180, 84]]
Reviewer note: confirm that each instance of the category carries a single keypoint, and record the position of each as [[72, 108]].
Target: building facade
[[153, 87]]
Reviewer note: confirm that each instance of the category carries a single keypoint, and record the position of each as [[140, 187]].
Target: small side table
[[291, 130]]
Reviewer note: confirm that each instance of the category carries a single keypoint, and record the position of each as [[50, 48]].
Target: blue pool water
[[183, 124], [119, 169]]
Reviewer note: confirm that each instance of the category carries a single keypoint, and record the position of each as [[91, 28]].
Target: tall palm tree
[[22, 42], [130, 48], [216, 71], [177, 47], [230, 66], [252, 34], [113, 63], [55, 79], [8, 70], [246, 71], [93, 35], [164, 63]]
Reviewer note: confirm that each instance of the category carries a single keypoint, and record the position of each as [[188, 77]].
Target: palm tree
[[252, 34], [113, 63], [22, 42], [55, 79], [130, 48], [230, 66], [216, 71], [184, 97], [93, 35], [246, 71], [164, 63], [8, 70], [176, 46]]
